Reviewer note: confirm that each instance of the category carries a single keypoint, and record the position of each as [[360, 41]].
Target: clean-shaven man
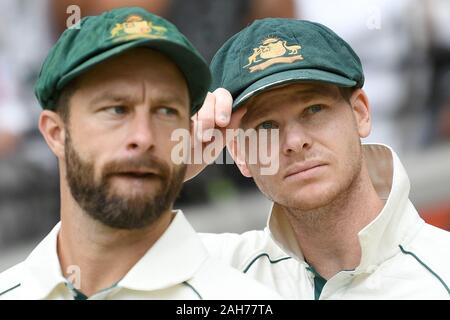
[[341, 225]]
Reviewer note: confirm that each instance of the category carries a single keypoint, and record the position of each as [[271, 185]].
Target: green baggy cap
[[275, 51], [111, 33]]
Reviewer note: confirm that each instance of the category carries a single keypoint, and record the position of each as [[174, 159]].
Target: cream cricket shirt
[[176, 267], [402, 256]]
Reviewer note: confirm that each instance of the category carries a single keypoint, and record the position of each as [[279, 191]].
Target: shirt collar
[[174, 258], [397, 222], [42, 268]]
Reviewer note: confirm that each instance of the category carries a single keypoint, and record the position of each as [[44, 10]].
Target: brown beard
[[99, 201]]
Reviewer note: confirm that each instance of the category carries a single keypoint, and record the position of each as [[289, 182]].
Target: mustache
[[147, 163]]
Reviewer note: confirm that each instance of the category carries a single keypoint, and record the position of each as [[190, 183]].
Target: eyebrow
[[111, 96], [255, 114], [118, 97]]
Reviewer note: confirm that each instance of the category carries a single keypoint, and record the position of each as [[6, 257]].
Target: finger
[[234, 125], [194, 129], [205, 117], [224, 102], [232, 148]]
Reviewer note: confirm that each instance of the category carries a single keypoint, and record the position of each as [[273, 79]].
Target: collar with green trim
[[396, 224]]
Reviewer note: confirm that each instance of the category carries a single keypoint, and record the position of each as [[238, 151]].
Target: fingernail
[[224, 118]]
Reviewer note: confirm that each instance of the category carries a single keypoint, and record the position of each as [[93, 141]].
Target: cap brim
[[194, 69], [291, 76]]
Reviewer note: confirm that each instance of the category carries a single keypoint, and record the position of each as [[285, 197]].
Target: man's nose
[[141, 136], [295, 139]]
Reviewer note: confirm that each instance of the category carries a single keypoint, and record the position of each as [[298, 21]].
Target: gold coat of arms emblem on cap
[[136, 27], [272, 51]]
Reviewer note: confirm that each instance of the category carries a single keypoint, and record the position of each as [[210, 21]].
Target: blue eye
[[166, 111], [267, 125], [314, 109], [120, 110], [117, 110]]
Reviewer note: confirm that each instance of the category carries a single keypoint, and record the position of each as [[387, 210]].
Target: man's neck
[[103, 255], [328, 236]]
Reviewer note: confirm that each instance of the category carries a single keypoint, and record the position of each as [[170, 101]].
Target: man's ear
[[53, 129], [238, 158], [361, 110]]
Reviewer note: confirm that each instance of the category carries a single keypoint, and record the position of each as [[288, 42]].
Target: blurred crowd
[[404, 46]]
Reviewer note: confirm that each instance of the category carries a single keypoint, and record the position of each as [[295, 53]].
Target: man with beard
[[341, 225], [113, 92]]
